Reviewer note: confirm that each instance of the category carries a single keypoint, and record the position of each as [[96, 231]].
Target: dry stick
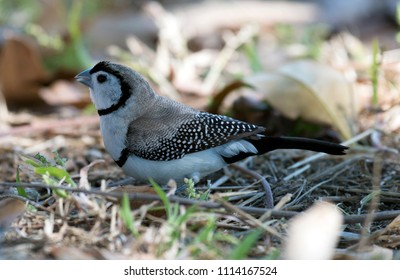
[[380, 216], [278, 206], [352, 190], [336, 169], [297, 172], [373, 205], [351, 219], [153, 197], [269, 199], [245, 216]]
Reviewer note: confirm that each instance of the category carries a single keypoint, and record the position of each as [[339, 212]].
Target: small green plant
[[175, 219], [192, 192], [53, 174]]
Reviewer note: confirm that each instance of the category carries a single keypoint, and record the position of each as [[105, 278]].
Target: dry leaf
[[313, 235], [309, 90], [72, 253], [10, 208], [21, 70], [64, 93]]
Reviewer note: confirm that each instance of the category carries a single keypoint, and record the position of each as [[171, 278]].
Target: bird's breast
[[114, 135]]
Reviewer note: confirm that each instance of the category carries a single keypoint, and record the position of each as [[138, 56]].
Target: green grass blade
[[250, 51], [243, 248], [126, 215], [21, 191], [163, 197]]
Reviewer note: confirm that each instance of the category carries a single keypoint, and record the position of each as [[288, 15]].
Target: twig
[[152, 197], [373, 205], [351, 219], [380, 216], [297, 172], [278, 206], [246, 217], [352, 190], [310, 190]]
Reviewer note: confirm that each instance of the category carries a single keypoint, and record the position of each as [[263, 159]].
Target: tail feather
[[269, 143]]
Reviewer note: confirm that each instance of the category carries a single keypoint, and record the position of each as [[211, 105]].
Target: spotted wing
[[200, 132]]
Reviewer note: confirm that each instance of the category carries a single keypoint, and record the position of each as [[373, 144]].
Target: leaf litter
[[104, 215]]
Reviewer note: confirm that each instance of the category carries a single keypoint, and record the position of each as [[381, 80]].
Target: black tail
[[268, 143]]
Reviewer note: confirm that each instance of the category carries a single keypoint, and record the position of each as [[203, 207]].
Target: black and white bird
[[151, 136]]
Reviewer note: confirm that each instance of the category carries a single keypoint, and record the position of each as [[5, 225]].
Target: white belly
[[195, 166]]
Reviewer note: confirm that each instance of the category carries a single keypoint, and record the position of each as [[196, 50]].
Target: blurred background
[[250, 59]]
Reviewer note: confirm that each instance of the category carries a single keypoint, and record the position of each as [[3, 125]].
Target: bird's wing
[[168, 139]]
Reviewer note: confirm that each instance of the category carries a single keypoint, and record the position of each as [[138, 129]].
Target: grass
[[126, 215], [21, 191], [375, 74], [242, 250]]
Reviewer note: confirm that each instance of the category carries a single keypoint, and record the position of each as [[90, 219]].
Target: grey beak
[[85, 78]]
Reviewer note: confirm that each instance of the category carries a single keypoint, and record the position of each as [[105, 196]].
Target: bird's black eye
[[101, 78]]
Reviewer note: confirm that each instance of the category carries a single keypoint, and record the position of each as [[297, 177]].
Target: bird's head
[[114, 86]]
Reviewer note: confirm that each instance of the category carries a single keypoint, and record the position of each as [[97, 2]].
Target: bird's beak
[[84, 78]]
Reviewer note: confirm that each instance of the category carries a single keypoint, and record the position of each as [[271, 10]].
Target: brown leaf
[[21, 70], [64, 93], [72, 253], [10, 209], [309, 90]]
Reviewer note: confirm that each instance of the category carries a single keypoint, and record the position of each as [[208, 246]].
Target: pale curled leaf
[[309, 90], [313, 234], [84, 181]]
